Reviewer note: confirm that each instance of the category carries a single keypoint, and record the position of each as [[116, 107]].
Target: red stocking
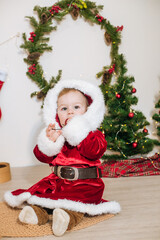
[[2, 79]]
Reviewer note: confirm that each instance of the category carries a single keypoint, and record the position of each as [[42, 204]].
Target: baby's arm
[[50, 143], [93, 146]]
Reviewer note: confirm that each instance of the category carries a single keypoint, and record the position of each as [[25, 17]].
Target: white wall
[[79, 50]]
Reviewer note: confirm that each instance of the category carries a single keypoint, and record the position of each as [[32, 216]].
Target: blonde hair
[[67, 90]]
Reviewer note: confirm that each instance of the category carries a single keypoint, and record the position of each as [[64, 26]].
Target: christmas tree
[[156, 117], [124, 128]]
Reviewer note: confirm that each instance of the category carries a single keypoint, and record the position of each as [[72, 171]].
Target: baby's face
[[71, 104]]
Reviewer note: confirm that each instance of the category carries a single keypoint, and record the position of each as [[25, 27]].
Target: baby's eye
[[76, 107], [64, 109]]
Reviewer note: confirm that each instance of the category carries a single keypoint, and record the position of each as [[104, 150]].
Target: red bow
[[119, 28], [111, 70]]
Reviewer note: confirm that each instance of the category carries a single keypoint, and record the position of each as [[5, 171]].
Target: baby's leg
[[33, 215], [64, 220], [75, 218]]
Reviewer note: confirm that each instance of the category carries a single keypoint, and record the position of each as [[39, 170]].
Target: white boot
[[60, 222], [28, 215]]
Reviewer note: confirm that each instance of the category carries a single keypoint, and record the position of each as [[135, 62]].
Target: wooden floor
[[139, 198]]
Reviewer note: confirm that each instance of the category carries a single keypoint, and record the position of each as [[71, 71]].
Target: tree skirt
[[10, 226], [132, 167]]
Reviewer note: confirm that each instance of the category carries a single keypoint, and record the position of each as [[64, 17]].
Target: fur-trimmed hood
[[79, 126], [95, 112]]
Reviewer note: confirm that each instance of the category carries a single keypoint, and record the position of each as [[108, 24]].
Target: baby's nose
[[70, 111]]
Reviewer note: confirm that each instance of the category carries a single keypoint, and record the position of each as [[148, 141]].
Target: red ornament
[[145, 130], [131, 115], [134, 145], [118, 95], [134, 90]]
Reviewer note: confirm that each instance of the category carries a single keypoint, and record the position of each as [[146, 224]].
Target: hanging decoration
[[36, 43], [3, 76]]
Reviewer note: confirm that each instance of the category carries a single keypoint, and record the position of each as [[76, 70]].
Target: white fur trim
[[95, 112], [76, 130], [48, 147], [16, 201], [92, 209]]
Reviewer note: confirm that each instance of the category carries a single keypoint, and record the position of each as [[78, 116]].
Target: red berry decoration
[[134, 90], [99, 18], [32, 69], [55, 9], [118, 95], [131, 115], [145, 130], [134, 145], [32, 36]]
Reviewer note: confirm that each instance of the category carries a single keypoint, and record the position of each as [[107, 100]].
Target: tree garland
[[36, 44]]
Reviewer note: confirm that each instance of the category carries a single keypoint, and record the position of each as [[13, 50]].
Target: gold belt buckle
[[76, 174]]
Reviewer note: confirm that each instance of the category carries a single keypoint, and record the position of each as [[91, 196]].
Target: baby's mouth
[[66, 121]]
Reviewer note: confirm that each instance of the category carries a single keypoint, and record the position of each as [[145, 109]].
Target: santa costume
[[75, 181]]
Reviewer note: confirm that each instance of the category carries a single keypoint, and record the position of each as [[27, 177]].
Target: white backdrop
[[80, 51]]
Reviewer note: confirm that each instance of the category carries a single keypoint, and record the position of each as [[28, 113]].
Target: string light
[[14, 36]]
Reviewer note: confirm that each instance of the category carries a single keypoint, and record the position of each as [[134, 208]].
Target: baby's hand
[[51, 133]]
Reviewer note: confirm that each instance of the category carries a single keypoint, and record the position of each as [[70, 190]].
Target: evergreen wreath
[[36, 44]]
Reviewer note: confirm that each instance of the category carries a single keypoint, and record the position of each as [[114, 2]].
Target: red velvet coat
[[52, 188], [86, 154]]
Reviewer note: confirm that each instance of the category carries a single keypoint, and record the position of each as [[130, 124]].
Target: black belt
[[72, 173]]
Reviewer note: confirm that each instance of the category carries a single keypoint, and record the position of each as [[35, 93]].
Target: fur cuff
[[48, 147], [76, 130]]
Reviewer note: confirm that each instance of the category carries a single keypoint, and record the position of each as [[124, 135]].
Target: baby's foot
[[33, 215], [60, 222], [28, 215]]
